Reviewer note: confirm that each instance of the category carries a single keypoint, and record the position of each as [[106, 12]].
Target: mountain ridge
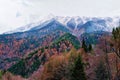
[[75, 24]]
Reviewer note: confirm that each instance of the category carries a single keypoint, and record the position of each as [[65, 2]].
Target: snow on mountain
[[32, 25], [76, 24]]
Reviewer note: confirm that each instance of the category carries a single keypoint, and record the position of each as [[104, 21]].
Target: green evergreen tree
[[77, 71], [116, 46], [101, 72], [116, 39], [90, 47], [84, 46], [116, 33]]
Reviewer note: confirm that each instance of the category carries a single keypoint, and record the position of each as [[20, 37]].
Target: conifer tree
[[116, 46], [84, 46], [90, 47], [116, 39], [101, 72], [77, 71]]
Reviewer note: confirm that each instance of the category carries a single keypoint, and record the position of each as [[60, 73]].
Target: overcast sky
[[16, 13]]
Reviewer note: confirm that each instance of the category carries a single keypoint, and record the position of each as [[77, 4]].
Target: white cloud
[[16, 13]]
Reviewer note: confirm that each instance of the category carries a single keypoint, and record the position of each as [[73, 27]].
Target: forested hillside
[[54, 52]]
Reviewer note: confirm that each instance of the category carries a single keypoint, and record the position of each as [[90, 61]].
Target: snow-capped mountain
[[77, 25]]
